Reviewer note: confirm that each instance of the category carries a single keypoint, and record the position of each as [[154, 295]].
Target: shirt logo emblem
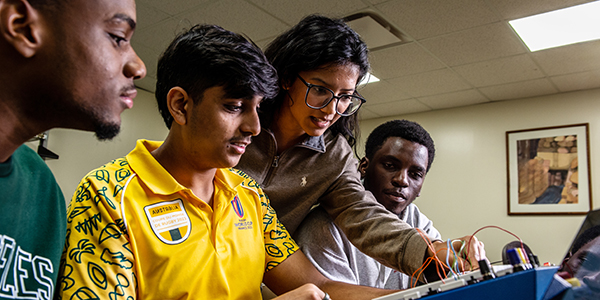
[[169, 221], [237, 207], [303, 182]]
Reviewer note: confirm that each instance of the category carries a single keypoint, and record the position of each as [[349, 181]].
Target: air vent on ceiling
[[375, 30]]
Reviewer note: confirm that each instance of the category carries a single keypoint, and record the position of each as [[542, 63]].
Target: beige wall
[[466, 187]]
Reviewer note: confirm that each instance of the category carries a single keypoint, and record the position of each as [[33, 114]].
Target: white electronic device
[[447, 284]]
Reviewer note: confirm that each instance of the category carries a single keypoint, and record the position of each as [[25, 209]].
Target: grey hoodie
[[336, 258]]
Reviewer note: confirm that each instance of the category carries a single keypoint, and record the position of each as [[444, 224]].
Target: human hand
[[468, 257], [308, 291]]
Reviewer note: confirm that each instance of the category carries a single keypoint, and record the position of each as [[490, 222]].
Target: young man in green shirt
[[63, 63]]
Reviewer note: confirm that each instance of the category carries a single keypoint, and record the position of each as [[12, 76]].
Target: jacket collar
[[316, 143]]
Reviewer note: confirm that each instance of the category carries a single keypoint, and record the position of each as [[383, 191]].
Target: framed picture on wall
[[549, 170]]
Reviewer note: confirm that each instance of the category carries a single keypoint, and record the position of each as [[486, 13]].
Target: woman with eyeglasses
[[303, 155]]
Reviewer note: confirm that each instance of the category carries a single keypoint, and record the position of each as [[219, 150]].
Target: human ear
[[178, 104], [362, 167], [20, 26]]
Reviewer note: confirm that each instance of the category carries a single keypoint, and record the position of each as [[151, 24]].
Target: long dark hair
[[316, 42]]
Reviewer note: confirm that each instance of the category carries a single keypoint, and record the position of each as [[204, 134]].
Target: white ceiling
[[459, 52]]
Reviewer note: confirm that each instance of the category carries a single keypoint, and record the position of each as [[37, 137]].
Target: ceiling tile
[[160, 35], [148, 56], [514, 9], [455, 99], [430, 83], [148, 15], [172, 7], [577, 81], [377, 1], [516, 90], [263, 43], [398, 108], [500, 71], [402, 60], [476, 44], [427, 18], [293, 11], [381, 92], [569, 59], [261, 25], [449, 40], [365, 114]]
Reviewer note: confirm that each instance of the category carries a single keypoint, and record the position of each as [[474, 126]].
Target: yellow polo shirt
[[134, 231]]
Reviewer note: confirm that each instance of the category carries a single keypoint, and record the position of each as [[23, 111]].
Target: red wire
[[497, 227], [439, 263]]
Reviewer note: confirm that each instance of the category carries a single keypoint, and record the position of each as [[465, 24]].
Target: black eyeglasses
[[318, 97]]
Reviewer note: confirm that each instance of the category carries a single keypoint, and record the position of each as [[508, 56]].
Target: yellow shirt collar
[[160, 181]]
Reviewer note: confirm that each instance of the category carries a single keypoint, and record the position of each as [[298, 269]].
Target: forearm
[[296, 271], [377, 232], [340, 290]]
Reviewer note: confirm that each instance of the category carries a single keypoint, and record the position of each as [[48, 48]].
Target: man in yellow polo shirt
[[172, 220]]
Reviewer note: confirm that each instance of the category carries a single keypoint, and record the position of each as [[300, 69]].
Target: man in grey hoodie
[[399, 154]]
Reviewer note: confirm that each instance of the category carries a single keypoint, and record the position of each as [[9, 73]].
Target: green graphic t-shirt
[[32, 227]]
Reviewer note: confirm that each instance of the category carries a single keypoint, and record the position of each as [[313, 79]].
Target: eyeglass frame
[[310, 85]]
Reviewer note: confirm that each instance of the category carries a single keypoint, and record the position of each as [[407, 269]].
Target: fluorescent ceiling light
[[369, 78], [561, 27]]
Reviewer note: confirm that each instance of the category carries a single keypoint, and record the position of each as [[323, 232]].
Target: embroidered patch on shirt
[[237, 206], [169, 221], [242, 223], [303, 182]]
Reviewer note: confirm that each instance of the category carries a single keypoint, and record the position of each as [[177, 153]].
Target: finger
[[480, 254], [473, 254], [463, 265], [482, 251]]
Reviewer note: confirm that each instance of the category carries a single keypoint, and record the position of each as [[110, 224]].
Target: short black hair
[[206, 56], [48, 5], [587, 236], [405, 129], [316, 42]]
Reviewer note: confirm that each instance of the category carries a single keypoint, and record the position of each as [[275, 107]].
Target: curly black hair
[[587, 236], [206, 56], [405, 129]]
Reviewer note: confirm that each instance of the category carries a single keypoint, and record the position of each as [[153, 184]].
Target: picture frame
[[548, 170]]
